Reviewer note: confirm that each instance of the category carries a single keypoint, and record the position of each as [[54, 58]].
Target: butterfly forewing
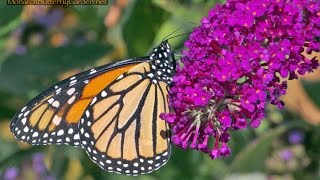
[[53, 116]]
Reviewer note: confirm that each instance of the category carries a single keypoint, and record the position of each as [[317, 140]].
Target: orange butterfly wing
[[121, 131], [53, 116]]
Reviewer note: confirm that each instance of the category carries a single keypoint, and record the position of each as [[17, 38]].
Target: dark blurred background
[[41, 45]]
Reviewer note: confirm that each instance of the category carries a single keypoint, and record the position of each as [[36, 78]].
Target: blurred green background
[[41, 45]]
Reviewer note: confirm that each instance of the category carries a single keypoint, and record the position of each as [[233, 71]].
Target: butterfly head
[[163, 62]]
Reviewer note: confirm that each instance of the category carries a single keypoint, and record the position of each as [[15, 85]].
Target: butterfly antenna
[[165, 38], [179, 35]]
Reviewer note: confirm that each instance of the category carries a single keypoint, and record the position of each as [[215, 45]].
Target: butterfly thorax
[[162, 63]]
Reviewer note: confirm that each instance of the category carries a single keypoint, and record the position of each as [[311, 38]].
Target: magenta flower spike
[[236, 61]]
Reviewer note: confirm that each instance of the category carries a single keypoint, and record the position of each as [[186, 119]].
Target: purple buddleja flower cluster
[[239, 59]]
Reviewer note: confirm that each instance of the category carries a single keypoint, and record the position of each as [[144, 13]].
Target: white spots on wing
[[157, 165], [26, 113], [125, 165], [159, 72], [67, 139], [110, 168], [120, 77], [86, 135], [165, 154], [45, 135], [18, 132], [93, 100], [103, 94], [119, 162], [135, 164], [89, 123], [149, 168], [158, 157], [71, 91], [160, 55], [154, 81], [89, 149], [23, 137], [101, 163], [127, 171], [108, 161], [24, 108], [135, 171], [73, 82], [84, 142], [71, 100], [141, 160], [70, 131], [118, 169], [82, 131], [50, 101], [56, 120], [150, 161], [93, 71], [58, 91], [153, 67], [24, 120], [165, 54], [60, 132], [76, 136], [94, 152], [55, 104], [26, 129], [72, 78], [87, 113], [86, 81], [35, 134]]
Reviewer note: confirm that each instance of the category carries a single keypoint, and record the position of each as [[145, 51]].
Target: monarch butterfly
[[111, 111]]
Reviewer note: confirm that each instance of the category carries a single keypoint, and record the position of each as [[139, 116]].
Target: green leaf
[[91, 17], [39, 68], [9, 12], [252, 157], [141, 28], [312, 89]]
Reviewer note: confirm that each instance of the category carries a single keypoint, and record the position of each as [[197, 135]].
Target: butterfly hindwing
[[121, 131]]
